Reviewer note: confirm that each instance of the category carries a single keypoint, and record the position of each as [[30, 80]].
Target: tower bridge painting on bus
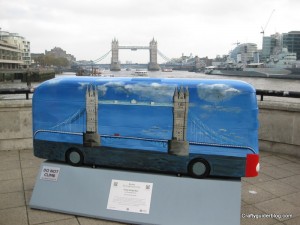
[[192, 127]]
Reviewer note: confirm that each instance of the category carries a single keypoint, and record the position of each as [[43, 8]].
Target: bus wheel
[[74, 157], [198, 168]]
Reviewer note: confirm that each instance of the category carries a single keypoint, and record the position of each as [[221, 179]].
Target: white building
[[244, 53], [20, 43]]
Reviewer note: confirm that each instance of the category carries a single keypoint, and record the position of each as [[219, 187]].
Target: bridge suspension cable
[[101, 58], [163, 56], [173, 61]]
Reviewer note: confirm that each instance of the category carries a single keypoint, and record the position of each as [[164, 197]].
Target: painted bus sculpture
[[194, 127]]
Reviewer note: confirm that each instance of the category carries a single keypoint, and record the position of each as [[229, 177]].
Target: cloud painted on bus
[[143, 91], [216, 93], [220, 108]]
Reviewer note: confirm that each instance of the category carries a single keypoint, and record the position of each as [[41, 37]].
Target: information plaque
[[130, 196], [136, 197]]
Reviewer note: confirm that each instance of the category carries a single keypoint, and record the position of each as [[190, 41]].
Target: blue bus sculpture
[[182, 126]]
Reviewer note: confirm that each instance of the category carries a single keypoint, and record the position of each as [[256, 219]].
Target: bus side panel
[[130, 124], [141, 160]]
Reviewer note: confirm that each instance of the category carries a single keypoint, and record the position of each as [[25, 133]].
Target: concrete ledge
[[16, 124], [279, 106], [279, 127], [16, 144], [282, 148], [6, 104]]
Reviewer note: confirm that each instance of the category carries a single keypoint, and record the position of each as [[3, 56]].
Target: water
[[257, 82]]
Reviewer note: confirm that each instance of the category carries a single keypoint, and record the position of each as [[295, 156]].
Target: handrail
[[289, 94], [261, 92], [13, 91]]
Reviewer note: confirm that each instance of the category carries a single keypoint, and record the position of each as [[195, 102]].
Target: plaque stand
[[85, 191]]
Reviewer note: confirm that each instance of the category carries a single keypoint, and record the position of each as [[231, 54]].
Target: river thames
[[256, 82]]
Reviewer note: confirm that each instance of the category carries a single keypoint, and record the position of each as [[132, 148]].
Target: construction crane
[[236, 43], [264, 28]]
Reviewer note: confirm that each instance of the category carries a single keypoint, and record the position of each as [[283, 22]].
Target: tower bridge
[[192, 64], [115, 64]]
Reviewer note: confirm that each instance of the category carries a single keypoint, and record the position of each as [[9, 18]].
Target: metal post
[[28, 78]]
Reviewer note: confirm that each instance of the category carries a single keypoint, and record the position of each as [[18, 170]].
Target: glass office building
[[291, 41]]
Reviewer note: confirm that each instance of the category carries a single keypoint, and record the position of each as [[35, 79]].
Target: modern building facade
[[272, 45], [291, 41], [275, 44], [14, 51], [21, 44], [244, 53], [10, 56]]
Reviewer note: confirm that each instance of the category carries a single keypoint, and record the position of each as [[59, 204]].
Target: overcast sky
[[85, 28]]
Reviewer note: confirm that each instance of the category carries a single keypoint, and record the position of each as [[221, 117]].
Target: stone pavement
[[274, 193]]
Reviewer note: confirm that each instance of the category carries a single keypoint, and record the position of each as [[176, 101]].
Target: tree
[[50, 60]]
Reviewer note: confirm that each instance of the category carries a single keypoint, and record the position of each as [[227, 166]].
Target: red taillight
[[252, 165]]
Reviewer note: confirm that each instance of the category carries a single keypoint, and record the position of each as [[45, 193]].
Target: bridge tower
[[179, 145], [115, 64], [91, 137], [153, 66]]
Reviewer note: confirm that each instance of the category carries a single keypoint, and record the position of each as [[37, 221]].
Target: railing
[[14, 91], [289, 94], [262, 93]]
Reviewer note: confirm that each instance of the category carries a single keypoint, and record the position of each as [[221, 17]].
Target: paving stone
[[13, 216], [277, 188], [259, 179], [10, 174], [293, 167], [253, 194], [279, 206], [11, 186], [10, 165], [29, 183], [293, 221], [274, 160], [244, 203], [89, 221], [264, 164], [30, 172], [245, 183], [279, 176], [9, 156], [276, 172], [27, 163], [263, 154], [28, 197], [27, 154], [72, 221], [293, 181], [39, 216], [10, 200], [250, 216], [290, 158], [293, 198]]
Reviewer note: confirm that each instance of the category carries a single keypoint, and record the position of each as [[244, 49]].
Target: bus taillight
[[252, 165]]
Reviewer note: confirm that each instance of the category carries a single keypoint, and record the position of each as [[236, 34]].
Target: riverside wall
[[279, 129], [279, 126], [15, 124]]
